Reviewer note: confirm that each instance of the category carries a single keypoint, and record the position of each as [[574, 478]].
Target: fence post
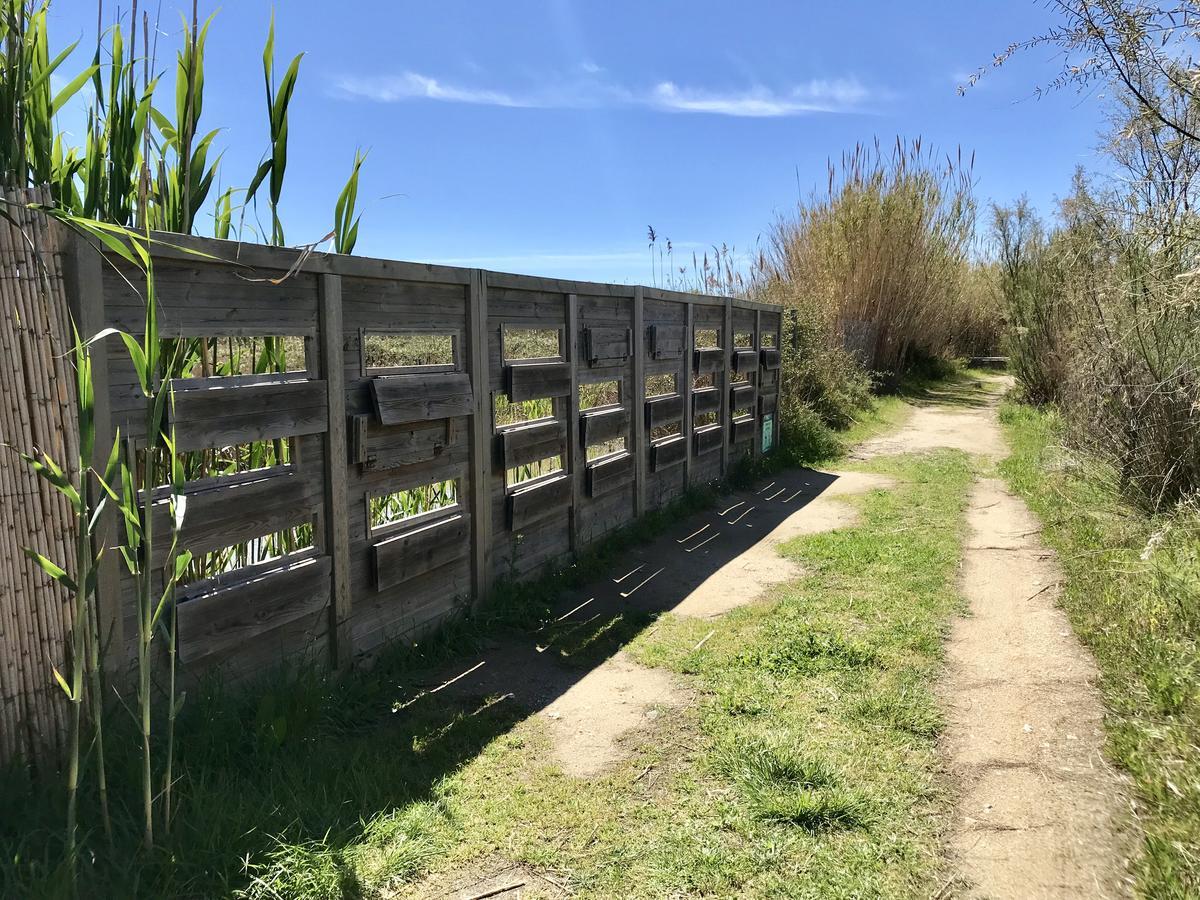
[[756, 450], [84, 278], [576, 460], [337, 518], [639, 401], [689, 420], [481, 440], [726, 412]]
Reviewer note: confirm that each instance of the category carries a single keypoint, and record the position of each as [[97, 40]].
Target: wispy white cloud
[[412, 86], [757, 101], [840, 95]]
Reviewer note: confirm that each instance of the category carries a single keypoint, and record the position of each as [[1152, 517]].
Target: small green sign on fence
[[768, 434]]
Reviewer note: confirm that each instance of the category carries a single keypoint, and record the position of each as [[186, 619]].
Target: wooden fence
[[502, 433]]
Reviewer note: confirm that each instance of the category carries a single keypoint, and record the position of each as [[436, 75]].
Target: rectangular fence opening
[[529, 471], [228, 355], [658, 385], [521, 342], [707, 338], [385, 352], [605, 448], [401, 506], [599, 393], [666, 431], [743, 340], [505, 412], [266, 548]]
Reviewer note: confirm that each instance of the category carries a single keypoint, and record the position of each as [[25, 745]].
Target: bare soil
[[705, 566], [1040, 814]]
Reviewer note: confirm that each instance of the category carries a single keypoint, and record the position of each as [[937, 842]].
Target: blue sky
[[544, 137]]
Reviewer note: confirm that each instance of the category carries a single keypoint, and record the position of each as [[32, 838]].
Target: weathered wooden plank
[[529, 443], [640, 432], [575, 459], [741, 429], [226, 511], [356, 439], [745, 361], [603, 425], [666, 453], [405, 556], [531, 381], [336, 541], [398, 399], [689, 385], [664, 410], [481, 441], [706, 400], [709, 438], [727, 412], [741, 396], [770, 358], [709, 359], [609, 473], [606, 345], [543, 498], [667, 341], [219, 416], [221, 615], [393, 446], [767, 404]]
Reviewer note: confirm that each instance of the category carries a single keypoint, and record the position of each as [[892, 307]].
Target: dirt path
[[704, 566], [1040, 813]]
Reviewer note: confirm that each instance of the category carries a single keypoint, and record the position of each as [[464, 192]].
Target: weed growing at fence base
[[815, 773], [1133, 594]]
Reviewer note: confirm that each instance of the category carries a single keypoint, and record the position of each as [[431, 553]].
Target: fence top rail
[[252, 257]]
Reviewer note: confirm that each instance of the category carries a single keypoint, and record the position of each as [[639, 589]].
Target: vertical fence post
[[84, 280], [726, 384], [640, 450], [756, 450], [576, 460], [337, 512], [481, 439], [689, 420]]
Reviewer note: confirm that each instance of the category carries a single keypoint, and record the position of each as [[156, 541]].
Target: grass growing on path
[[807, 768], [1133, 594]]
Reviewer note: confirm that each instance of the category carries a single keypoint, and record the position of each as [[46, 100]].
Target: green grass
[[1133, 594], [806, 767]]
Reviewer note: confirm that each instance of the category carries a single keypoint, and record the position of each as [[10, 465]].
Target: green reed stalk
[[87, 507]]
